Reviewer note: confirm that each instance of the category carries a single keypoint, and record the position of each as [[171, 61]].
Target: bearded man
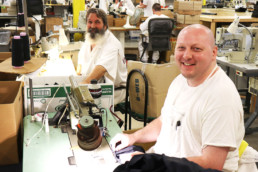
[[102, 56]]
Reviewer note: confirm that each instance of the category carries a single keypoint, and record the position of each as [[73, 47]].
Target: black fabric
[[160, 163], [129, 149]]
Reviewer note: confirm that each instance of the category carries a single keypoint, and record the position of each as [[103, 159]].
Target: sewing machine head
[[83, 118], [239, 47]]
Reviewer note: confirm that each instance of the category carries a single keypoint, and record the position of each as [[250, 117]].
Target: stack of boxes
[[187, 12]]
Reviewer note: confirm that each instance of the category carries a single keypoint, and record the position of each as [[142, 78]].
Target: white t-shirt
[[109, 54], [144, 25], [195, 117], [148, 10], [129, 5]]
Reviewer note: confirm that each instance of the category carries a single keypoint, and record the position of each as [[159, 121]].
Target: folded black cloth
[[129, 149], [160, 163]]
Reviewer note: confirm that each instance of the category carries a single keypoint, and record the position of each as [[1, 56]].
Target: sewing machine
[[88, 128], [85, 115], [236, 47]]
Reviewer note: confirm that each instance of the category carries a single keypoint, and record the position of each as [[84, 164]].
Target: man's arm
[[212, 157], [97, 73], [149, 133]]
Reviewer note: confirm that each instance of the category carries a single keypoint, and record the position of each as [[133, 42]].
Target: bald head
[[199, 29]]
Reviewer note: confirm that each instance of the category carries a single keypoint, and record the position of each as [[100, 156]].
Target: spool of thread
[[20, 19], [17, 52], [26, 46]]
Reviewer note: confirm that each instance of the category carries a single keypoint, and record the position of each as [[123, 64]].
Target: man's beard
[[94, 35]]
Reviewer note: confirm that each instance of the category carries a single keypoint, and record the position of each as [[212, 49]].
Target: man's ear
[[214, 51]]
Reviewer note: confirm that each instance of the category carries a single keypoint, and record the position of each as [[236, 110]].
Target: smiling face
[[195, 53]]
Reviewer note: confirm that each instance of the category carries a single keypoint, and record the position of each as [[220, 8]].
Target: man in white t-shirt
[[147, 7], [128, 4], [156, 8], [102, 56], [202, 117]]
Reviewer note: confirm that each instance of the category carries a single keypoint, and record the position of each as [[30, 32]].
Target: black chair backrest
[[160, 31]]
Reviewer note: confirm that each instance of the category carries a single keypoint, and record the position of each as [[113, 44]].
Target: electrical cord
[[45, 117], [248, 56], [40, 36], [66, 107], [120, 122]]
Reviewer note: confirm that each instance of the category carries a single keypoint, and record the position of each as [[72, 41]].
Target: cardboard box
[[197, 5], [5, 55], [168, 13], [192, 19], [11, 113], [54, 24], [187, 19], [159, 77], [188, 7], [180, 18], [183, 5], [119, 22], [110, 19]]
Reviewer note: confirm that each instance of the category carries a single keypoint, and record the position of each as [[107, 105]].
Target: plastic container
[[5, 41], [96, 92]]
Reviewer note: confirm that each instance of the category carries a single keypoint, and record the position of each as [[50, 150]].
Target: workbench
[[224, 15], [119, 32], [249, 70], [58, 150]]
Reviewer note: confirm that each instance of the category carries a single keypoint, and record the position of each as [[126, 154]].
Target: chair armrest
[[144, 37]]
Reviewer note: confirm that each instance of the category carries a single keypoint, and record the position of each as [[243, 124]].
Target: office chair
[[160, 31]]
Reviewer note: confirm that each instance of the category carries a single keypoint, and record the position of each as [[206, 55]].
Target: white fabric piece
[[162, 3], [104, 4], [247, 160], [109, 54], [148, 10], [209, 114], [129, 5]]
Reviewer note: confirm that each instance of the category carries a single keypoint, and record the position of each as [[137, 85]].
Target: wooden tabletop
[[31, 66], [122, 28], [226, 15]]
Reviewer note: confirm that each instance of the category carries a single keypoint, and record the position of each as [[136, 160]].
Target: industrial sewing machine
[[63, 148], [85, 115], [240, 47]]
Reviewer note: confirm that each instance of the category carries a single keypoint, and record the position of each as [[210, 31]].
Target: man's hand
[[121, 141], [128, 156]]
